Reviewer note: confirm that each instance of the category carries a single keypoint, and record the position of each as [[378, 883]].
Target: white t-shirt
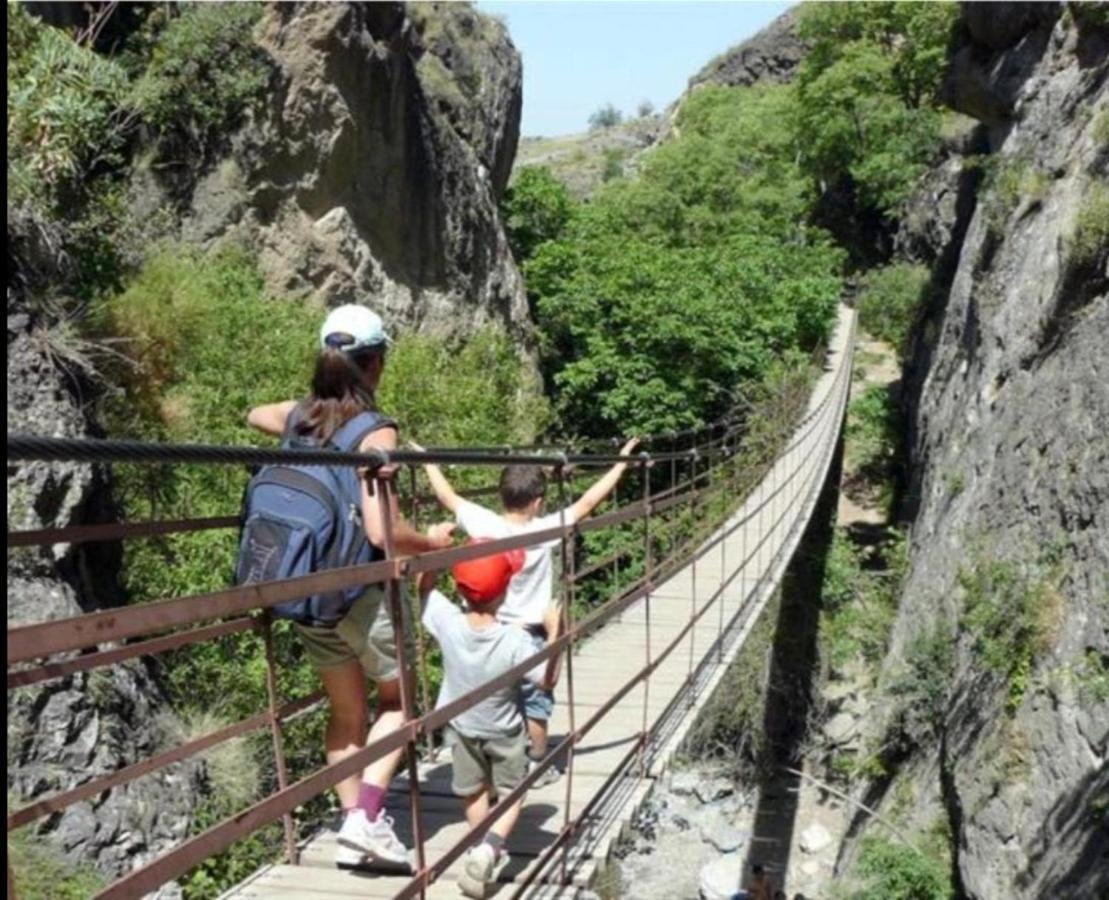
[[531, 589]]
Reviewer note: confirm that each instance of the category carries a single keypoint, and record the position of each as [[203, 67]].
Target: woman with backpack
[[347, 641]]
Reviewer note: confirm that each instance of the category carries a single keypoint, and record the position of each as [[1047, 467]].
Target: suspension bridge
[[636, 669]]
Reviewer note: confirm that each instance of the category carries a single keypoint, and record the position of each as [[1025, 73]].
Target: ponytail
[[339, 392]]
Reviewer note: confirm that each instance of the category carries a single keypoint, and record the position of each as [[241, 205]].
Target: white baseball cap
[[353, 327]]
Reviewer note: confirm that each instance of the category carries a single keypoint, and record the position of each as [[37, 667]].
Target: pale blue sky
[[580, 55]]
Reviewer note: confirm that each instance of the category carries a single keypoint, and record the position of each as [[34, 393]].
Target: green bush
[[922, 688], [204, 69], [606, 116], [1009, 182], [40, 870], [893, 871], [613, 164], [889, 300], [859, 598], [1011, 614], [1091, 226], [871, 439], [65, 110], [537, 207]]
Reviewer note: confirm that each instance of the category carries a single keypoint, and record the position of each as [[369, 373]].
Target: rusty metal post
[[648, 576], [567, 618], [396, 611], [418, 627], [266, 626]]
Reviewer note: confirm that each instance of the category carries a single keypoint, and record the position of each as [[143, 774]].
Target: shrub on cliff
[[889, 301], [204, 69], [65, 109]]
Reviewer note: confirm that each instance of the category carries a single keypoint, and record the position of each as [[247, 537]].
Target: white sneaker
[[374, 839], [348, 857], [550, 775], [479, 870]]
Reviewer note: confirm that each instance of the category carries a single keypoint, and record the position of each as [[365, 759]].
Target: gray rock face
[[1008, 400], [65, 732], [373, 170], [772, 55]]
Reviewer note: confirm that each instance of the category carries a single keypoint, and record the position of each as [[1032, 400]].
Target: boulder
[[721, 878], [815, 839]]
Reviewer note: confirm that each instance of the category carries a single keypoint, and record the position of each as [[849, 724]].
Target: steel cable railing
[[717, 456]]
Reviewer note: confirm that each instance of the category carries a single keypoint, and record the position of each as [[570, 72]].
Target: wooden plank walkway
[[778, 511]]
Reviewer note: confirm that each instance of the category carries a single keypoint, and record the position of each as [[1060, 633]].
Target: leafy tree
[[672, 291], [916, 36], [645, 108], [853, 123], [605, 117], [537, 207], [867, 94]]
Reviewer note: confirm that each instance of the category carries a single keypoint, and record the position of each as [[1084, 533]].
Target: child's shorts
[[477, 763], [536, 703]]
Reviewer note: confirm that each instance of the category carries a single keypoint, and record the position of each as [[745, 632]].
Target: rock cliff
[[1006, 397], [64, 732], [372, 168], [772, 55]]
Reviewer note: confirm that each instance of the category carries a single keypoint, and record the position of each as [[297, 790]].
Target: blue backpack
[[298, 520]]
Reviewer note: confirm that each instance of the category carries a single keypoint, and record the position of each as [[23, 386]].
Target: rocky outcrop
[[372, 168], [772, 55], [65, 732], [1007, 403]]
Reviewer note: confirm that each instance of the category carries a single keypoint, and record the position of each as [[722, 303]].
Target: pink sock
[[370, 800]]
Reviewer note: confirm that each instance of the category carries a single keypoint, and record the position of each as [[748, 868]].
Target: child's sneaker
[[479, 870], [549, 775], [374, 839]]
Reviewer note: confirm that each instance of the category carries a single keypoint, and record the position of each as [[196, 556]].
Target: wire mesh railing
[[704, 476]]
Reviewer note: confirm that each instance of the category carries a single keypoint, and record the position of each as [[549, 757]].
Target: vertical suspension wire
[[567, 620], [418, 627], [693, 576], [726, 465], [648, 580], [396, 611], [265, 625]]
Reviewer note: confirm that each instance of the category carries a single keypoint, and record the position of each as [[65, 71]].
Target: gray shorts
[[477, 763], [364, 634]]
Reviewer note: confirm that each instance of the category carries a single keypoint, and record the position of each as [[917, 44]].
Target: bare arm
[[443, 490], [271, 417], [406, 539], [602, 487]]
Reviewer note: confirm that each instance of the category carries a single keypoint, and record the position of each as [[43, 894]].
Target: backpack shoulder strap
[[350, 435]]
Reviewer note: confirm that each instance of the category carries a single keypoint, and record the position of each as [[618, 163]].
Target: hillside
[[585, 161]]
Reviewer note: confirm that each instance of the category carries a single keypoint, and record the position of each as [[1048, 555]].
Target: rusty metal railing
[[176, 623]]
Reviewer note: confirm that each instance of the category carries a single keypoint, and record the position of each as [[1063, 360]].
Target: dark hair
[[520, 485], [339, 391]]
